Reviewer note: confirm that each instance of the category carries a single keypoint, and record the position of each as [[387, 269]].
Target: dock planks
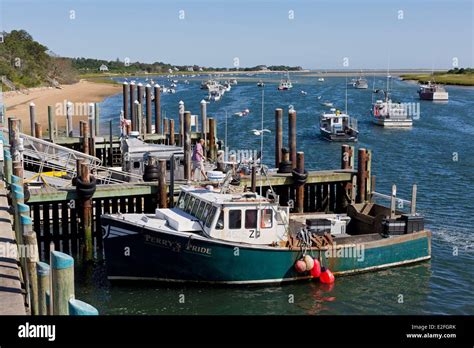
[[11, 294]]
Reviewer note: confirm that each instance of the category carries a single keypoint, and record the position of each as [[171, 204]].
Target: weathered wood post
[[14, 138], [132, 103], [111, 144], [187, 145], [140, 110], [362, 175], [125, 97], [413, 200], [162, 199], [253, 181], [91, 120], [212, 138], [42, 274], [354, 189], [38, 133], [97, 120], [368, 179], [32, 257], [77, 307], [157, 93], [181, 122], [204, 121], [148, 109], [62, 274], [171, 131], [7, 166], [278, 135], [87, 214], [342, 190], [51, 124], [32, 119], [69, 114], [393, 202], [85, 138], [292, 136], [300, 188], [165, 126]]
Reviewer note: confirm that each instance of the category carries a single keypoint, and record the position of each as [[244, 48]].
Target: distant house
[[176, 69], [103, 67], [190, 69], [170, 71], [200, 69]]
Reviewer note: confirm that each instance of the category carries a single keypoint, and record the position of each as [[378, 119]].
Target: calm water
[[437, 155]]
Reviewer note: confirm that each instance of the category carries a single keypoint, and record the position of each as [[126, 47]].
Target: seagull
[[260, 131], [319, 97]]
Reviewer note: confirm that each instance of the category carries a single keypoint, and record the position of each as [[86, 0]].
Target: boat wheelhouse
[[337, 126]]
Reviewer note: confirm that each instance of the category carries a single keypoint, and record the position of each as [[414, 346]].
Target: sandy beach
[[18, 104]]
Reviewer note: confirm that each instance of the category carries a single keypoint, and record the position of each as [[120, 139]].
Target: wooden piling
[[140, 110], [38, 130], [171, 132], [62, 274], [69, 114], [254, 179], [51, 124], [42, 275], [125, 100], [300, 188], [212, 139], [292, 136], [32, 119], [132, 102], [362, 175], [148, 108], [85, 137], [157, 92], [96, 120], [91, 121], [111, 144], [165, 126], [278, 136], [204, 121], [87, 215], [32, 257], [187, 145], [181, 122], [413, 200], [162, 196]]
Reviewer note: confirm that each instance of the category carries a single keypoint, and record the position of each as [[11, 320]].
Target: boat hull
[[392, 123], [137, 253], [440, 96]]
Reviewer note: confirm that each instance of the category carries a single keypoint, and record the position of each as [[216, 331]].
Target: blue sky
[[213, 33]]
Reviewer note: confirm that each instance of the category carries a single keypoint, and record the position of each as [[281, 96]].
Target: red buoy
[[300, 266], [326, 276], [316, 270]]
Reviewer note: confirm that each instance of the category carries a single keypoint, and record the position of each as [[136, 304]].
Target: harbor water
[[437, 154]]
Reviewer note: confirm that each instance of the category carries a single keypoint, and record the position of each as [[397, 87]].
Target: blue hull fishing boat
[[244, 238]]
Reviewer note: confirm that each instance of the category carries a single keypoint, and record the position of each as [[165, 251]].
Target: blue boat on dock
[[245, 238]]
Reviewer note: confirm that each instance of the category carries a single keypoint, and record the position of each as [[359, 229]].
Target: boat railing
[[397, 203], [353, 123]]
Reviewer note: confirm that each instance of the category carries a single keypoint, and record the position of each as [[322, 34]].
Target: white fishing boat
[[233, 81], [338, 126], [387, 113], [321, 79], [327, 104], [285, 84], [242, 113], [260, 84]]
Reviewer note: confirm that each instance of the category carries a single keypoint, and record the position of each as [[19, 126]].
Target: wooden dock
[[11, 293]]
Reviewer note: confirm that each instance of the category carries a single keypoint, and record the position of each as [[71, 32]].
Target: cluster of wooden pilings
[[48, 289]]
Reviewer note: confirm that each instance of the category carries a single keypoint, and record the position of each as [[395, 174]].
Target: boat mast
[[346, 93], [261, 142]]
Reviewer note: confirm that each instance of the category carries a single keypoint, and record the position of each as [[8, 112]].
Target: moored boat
[[432, 91], [338, 126], [244, 238], [387, 113]]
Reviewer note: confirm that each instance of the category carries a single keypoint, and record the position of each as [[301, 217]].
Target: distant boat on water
[[432, 91], [285, 84]]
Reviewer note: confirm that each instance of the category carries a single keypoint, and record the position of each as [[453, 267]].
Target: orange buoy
[[326, 276], [316, 270], [300, 266], [309, 261]]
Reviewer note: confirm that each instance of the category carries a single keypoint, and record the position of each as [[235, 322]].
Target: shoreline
[[83, 92]]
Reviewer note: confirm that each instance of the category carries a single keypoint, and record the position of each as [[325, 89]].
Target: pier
[[12, 300]]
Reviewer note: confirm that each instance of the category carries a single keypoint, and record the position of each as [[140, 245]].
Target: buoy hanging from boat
[[309, 261], [326, 276], [300, 266], [316, 270]]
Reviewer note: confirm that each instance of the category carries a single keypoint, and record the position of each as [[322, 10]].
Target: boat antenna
[[373, 88], [346, 93], [261, 141], [225, 135]]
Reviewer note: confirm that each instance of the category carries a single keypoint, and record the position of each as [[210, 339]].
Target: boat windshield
[[201, 210]]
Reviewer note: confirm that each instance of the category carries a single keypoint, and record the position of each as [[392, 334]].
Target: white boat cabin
[[243, 217]]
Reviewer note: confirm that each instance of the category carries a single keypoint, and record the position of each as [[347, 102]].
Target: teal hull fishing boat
[[212, 237]]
